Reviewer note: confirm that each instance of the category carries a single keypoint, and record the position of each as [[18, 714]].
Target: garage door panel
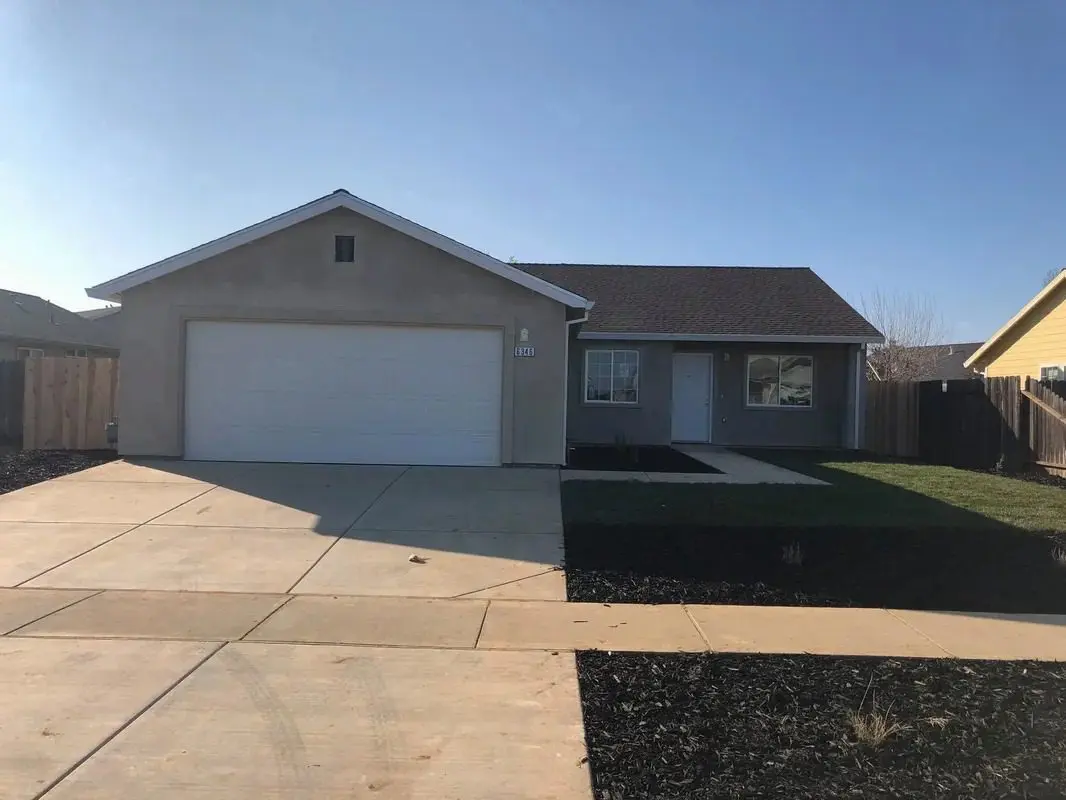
[[343, 394]]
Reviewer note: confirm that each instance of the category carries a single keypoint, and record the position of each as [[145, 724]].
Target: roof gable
[[710, 303], [1000, 336], [113, 289]]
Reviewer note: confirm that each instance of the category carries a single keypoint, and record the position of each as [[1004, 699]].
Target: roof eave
[[1043, 294], [112, 290], [731, 337]]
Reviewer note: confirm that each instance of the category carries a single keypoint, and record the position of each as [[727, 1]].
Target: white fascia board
[[729, 337], [113, 289], [1043, 293]]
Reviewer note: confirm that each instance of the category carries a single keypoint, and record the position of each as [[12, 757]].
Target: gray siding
[[828, 424]]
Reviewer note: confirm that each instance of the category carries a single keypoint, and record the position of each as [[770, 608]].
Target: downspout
[[566, 372], [858, 374]]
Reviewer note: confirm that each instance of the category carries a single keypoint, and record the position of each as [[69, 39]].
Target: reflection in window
[[1053, 373], [612, 376], [781, 381]]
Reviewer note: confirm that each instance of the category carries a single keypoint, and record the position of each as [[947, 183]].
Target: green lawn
[[864, 492]]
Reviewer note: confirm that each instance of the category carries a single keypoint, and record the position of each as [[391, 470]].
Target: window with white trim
[[28, 352], [1053, 373], [612, 376], [780, 381]]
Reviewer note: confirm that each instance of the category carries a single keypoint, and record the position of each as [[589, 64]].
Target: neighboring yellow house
[[1033, 343]]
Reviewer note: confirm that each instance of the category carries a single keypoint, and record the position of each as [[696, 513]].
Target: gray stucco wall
[[647, 422], [823, 425], [291, 276]]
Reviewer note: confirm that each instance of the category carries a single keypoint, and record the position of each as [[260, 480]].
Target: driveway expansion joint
[[346, 531], [920, 632], [134, 527], [123, 726], [696, 625], [92, 593]]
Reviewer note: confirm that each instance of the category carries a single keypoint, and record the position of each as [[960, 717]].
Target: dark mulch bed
[[21, 468], [644, 458], [995, 570], [701, 726], [1035, 477]]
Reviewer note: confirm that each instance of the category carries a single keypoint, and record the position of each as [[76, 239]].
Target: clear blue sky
[[901, 144]]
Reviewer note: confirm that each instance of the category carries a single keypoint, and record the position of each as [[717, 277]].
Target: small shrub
[[792, 554], [1058, 552], [937, 722], [874, 727]]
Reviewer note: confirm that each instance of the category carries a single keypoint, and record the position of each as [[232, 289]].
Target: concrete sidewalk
[[241, 695], [517, 625]]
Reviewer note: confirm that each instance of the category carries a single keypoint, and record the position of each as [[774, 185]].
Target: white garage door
[[345, 394]]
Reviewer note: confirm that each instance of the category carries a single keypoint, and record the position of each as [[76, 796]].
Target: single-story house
[[1033, 342], [940, 362], [341, 332], [31, 327], [105, 321]]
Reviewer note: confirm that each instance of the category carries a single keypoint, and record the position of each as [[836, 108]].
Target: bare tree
[[1052, 274], [914, 330]]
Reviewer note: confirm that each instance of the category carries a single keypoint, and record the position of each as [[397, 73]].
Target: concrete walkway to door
[[281, 528], [734, 468]]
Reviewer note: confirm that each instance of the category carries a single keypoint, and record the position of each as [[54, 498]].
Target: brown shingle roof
[[736, 301]]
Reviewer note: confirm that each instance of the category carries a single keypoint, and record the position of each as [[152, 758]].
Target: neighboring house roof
[[709, 303], [97, 313], [113, 289], [945, 362], [33, 319], [105, 321], [1003, 333]]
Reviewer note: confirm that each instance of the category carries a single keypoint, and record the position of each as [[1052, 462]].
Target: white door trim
[[709, 356]]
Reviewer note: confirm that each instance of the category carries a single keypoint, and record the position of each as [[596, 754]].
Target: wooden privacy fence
[[973, 424], [68, 403], [11, 391], [892, 418], [1047, 424]]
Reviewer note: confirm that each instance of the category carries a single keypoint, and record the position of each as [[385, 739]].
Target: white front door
[[693, 378], [350, 394]]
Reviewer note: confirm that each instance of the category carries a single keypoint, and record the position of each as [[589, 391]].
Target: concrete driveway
[[143, 689], [276, 528]]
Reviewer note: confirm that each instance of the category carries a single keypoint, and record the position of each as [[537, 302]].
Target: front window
[[29, 352], [781, 381], [612, 376], [1053, 373]]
